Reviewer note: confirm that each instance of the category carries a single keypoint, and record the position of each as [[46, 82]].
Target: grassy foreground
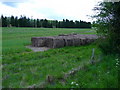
[[24, 68]]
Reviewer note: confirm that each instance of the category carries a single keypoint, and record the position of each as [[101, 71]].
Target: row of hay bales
[[63, 40]]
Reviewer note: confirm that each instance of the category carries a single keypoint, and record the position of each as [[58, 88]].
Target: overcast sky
[[49, 9]]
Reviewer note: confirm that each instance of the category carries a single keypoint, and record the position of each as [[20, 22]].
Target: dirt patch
[[37, 49]]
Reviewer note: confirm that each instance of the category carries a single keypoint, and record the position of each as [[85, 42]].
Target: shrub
[[107, 25]]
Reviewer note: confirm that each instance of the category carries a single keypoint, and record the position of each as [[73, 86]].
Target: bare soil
[[37, 49]]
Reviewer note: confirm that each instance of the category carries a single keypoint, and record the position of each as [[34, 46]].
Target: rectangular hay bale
[[63, 40]]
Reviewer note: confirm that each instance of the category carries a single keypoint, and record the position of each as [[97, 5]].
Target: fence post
[[92, 61]]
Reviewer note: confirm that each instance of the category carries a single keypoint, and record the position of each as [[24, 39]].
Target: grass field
[[23, 68]]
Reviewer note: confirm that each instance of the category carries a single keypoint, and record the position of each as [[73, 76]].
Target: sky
[[50, 9]]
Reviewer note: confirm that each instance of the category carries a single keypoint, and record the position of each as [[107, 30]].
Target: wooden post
[[93, 56]]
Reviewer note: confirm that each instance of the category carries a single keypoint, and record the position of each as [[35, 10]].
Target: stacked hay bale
[[41, 41], [63, 40]]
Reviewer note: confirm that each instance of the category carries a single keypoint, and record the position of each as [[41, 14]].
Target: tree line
[[23, 21]]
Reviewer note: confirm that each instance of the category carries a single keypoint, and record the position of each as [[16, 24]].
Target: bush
[[107, 25]]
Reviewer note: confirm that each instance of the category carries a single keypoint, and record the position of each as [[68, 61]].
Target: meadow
[[23, 68]]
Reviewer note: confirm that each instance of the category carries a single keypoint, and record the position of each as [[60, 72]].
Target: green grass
[[100, 75], [23, 68], [14, 39]]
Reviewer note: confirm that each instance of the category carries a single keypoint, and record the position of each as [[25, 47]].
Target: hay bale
[[63, 40], [52, 42], [41, 41], [82, 40], [69, 41], [76, 41], [58, 42], [35, 41], [49, 42]]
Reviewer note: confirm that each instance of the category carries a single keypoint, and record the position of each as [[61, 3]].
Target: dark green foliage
[[107, 25], [16, 21], [4, 21], [23, 21], [12, 20]]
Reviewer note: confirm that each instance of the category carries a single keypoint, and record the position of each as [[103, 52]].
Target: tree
[[38, 23], [20, 21], [107, 26], [41, 22], [45, 23], [4, 21], [76, 24], [16, 22], [12, 21], [67, 24], [35, 24]]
